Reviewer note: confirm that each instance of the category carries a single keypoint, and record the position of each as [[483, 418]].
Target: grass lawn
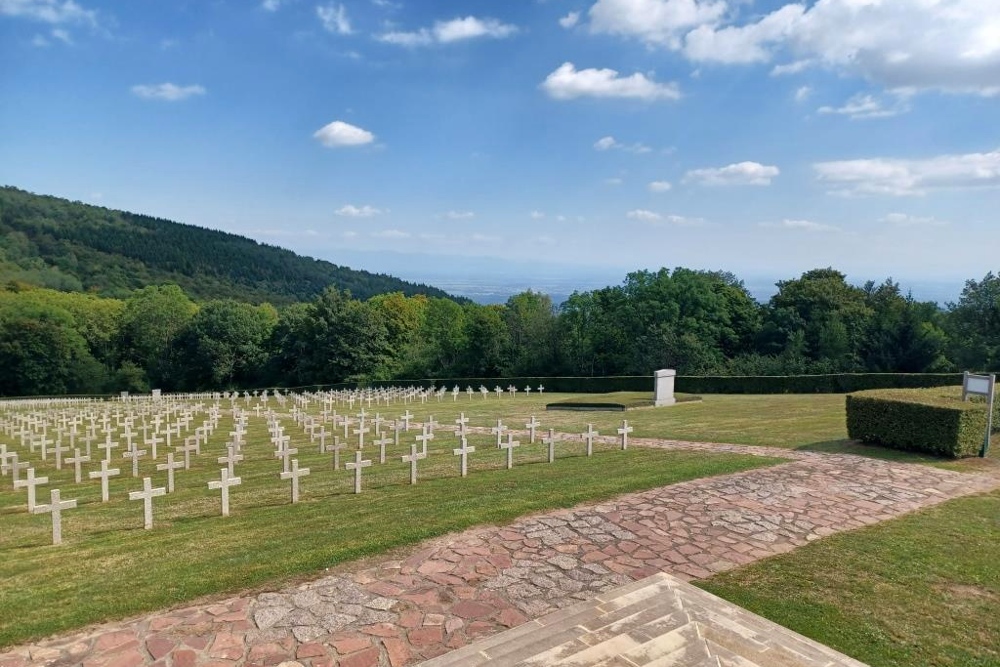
[[920, 590], [108, 567]]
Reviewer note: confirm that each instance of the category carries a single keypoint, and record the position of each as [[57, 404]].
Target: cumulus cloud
[[446, 32], [910, 45], [609, 143], [802, 93], [167, 92], [570, 20], [900, 177], [654, 218], [567, 83], [270, 5], [644, 215], [906, 220], [351, 211], [339, 133], [741, 173], [660, 186], [801, 225], [866, 106], [334, 19], [49, 11]]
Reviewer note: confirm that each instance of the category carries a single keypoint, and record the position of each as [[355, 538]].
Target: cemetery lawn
[[920, 590], [108, 567]]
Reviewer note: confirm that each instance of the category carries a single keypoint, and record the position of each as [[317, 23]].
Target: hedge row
[[840, 383], [935, 421]]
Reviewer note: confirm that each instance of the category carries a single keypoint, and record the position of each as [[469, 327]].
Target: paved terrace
[[449, 592]]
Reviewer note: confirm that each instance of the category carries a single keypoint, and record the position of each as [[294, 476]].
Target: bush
[[834, 383], [935, 421]]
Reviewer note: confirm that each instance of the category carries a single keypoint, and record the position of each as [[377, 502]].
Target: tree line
[[699, 322]]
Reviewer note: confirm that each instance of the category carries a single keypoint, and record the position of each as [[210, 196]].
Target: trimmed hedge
[[837, 383], [935, 421]]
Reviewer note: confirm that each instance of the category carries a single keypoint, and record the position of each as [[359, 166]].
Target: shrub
[[935, 421]]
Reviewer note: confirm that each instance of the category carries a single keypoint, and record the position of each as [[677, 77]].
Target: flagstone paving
[[451, 591]]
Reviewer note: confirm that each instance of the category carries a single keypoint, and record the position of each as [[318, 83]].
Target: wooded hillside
[[70, 246]]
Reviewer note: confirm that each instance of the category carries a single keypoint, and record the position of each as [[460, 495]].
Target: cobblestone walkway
[[453, 590]]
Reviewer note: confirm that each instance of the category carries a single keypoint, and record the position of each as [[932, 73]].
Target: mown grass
[[920, 590], [109, 567]]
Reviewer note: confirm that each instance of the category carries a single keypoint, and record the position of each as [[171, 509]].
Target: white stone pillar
[[664, 393]]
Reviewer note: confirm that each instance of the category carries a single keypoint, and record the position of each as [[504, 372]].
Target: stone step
[[659, 621]]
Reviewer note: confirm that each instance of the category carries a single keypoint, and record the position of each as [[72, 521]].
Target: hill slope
[[70, 246]]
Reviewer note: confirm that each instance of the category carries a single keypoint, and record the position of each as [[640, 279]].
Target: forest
[[699, 322], [71, 246]]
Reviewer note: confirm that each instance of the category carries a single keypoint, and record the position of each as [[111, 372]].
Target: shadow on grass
[[972, 464]]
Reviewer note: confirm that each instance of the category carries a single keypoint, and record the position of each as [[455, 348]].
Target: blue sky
[[557, 136]]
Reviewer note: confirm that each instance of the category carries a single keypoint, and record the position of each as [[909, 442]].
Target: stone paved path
[[453, 590]]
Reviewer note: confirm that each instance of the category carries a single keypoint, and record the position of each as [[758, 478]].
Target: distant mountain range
[[72, 246]]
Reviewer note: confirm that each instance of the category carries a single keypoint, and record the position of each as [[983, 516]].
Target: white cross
[[335, 448], [30, 482], [15, 467], [462, 421], [134, 454], [430, 424], [146, 496], [152, 442], [104, 474], [551, 442], [541, 389], [107, 446], [55, 507], [361, 431], [531, 426], [423, 438], [498, 431], [231, 459], [382, 442], [464, 452], [224, 485], [406, 420], [170, 467], [284, 455], [76, 460], [294, 475], [187, 448], [412, 460], [623, 432], [509, 446], [356, 466], [59, 449], [589, 437]]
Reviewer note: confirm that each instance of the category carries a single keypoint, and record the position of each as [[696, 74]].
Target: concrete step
[[659, 621]]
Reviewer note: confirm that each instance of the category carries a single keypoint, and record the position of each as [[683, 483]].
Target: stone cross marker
[[406, 421], [170, 467], [104, 473], [498, 432], [551, 442], [464, 452], [531, 426], [509, 446], [76, 460], [30, 482], [58, 449], [412, 460], [381, 442], [146, 496], [462, 423], [335, 448], [223, 485], [231, 459], [134, 453], [357, 466], [285, 454], [361, 430], [589, 437], [152, 442], [623, 432], [55, 507], [423, 438], [294, 475]]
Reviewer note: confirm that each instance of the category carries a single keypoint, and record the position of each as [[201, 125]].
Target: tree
[[345, 339], [974, 325], [151, 322], [225, 345], [531, 327]]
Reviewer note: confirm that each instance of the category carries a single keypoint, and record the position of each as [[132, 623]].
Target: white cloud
[[660, 186], [899, 177], [446, 32], [460, 215], [167, 92], [742, 173], [905, 220], [537, 215], [656, 22], [912, 45], [62, 35], [802, 93], [865, 106], [644, 215], [570, 20], [334, 18], [48, 11], [567, 83], [39, 41], [608, 143], [391, 234], [801, 225], [339, 133], [654, 218], [270, 5], [351, 211]]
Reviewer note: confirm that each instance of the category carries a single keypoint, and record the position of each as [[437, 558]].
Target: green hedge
[[840, 383], [935, 421]]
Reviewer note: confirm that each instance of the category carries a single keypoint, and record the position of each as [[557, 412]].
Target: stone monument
[[664, 391]]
